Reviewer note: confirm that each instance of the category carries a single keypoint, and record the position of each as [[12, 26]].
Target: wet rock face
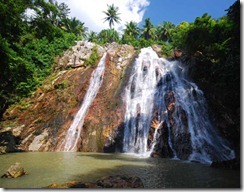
[[157, 49], [48, 113], [114, 143], [181, 142], [178, 53], [162, 147], [103, 130], [168, 136], [14, 171]]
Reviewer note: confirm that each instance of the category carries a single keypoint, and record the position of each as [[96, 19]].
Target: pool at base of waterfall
[[45, 168]]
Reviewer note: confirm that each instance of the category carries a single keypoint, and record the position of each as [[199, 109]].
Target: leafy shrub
[[93, 59]]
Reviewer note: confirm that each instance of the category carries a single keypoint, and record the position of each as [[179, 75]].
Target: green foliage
[[131, 30], [167, 49], [11, 124], [28, 45], [24, 104], [145, 43], [128, 39], [15, 72], [92, 37], [164, 31], [63, 85], [11, 17], [76, 27], [215, 46], [41, 52], [148, 31], [179, 34], [108, 36], [93, 59]]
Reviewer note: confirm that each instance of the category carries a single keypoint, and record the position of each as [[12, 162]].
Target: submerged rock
[[120, 181], [14, 171], [70, 184], [117, 181]]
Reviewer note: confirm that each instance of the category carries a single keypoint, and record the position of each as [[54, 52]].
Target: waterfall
[[73, 136], [139, 102], [159, 91]]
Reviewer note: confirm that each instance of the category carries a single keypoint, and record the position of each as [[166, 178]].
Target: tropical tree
[[75, 26], [64, 10], [108, 36], [45, 20], [131, 29], [148, 31], [92, 36], [179, 34], [131, 33], [11, 18], [164, 31], [112, 15]]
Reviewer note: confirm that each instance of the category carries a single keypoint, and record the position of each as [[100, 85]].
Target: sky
[[91, 11]]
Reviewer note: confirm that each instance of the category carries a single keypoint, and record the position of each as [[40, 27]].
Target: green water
[[46, 168]]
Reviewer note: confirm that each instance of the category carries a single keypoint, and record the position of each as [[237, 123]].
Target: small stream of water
[[73, 136]]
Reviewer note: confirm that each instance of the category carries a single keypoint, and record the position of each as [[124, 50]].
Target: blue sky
[[178, 11], [91, 11]]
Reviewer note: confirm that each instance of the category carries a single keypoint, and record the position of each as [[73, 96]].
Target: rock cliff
[[45, 117]]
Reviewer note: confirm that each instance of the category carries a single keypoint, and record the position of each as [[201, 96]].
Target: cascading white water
[[139, 102], [72, 138], [155, 83]]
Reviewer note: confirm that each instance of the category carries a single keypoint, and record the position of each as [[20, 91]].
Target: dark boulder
[[117, 181], [8, 142]]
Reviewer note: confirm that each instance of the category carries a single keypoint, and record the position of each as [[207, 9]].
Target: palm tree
[[131, 29], [148, 31], [64, 10], [92, 36], [164, 31], [112, 15], [75, 26]]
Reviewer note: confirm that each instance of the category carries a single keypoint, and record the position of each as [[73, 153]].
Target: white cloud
[[91, 12]]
